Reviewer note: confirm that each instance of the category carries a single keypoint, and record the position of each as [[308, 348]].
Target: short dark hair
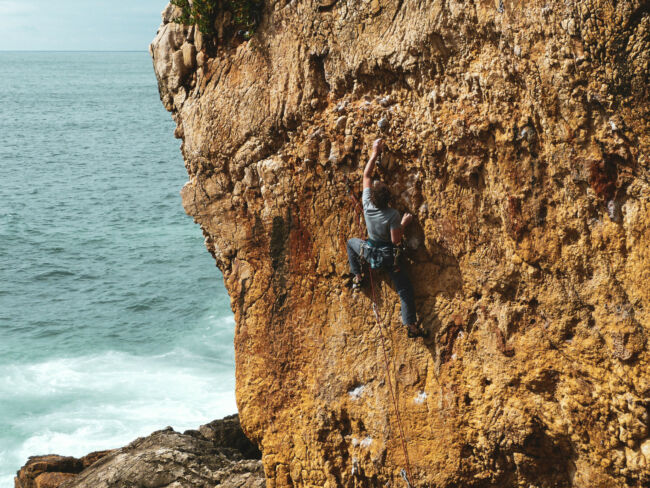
[[379, 194]]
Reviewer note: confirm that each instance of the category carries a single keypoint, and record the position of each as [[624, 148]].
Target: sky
[[79, 25]]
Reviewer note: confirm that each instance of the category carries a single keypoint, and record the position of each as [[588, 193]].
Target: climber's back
[[380, 218]]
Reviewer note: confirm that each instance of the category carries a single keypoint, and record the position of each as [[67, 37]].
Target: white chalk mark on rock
[[420, 398], [356, 393]]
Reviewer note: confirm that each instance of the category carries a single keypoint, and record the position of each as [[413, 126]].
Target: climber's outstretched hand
[[377, 147], [407, 219]]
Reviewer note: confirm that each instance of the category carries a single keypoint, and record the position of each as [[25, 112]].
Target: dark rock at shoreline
[[52, 470], [217, 453], [227, 433]]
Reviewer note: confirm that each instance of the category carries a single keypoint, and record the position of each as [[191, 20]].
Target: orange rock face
[[52, 480], [518, 135]]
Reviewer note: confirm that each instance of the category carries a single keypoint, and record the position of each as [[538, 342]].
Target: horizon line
[[72, 50]]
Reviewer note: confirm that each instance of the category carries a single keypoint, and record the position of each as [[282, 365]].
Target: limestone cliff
[[518, 134]]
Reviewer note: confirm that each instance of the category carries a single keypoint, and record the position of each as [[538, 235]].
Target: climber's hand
[[377, 146], [406, 219]]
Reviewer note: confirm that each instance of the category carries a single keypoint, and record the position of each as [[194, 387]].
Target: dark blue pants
[[400, 279]]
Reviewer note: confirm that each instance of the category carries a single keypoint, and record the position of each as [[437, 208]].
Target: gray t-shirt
[[379, 222]]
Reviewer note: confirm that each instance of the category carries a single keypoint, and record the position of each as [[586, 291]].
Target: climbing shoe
[[420, 332], [357, 283]]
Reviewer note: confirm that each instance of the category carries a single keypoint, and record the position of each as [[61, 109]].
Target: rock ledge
[[216, 454]]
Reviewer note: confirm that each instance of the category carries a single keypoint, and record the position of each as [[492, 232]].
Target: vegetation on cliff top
[[203, 13]]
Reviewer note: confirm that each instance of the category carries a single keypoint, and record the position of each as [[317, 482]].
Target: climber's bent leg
[[354, 253], [404, 289]]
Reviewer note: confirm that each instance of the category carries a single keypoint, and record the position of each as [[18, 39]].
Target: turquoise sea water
[[114, 321]]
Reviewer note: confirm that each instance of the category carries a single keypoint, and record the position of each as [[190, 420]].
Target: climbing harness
[[377, 254], [406, 474]]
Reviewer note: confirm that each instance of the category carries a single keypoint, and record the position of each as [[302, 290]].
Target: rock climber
[[385, 231]]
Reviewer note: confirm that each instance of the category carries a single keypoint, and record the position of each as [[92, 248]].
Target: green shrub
[[245, 12], [202, 13]]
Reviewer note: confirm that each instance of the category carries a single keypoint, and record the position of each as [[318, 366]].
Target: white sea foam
[[72, 406], [113, 319]]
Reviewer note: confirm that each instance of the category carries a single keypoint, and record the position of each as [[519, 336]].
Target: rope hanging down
[[380, 323], [390, 384]]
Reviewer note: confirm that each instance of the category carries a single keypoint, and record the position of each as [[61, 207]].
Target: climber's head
[[379, 194]]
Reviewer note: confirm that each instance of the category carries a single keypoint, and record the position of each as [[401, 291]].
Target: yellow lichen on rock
[[518, 135]]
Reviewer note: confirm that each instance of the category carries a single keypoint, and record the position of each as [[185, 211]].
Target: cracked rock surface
[[218, 454], [518, 134]]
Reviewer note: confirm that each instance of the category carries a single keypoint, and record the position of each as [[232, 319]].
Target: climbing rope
[[380, 323], [383, 336]]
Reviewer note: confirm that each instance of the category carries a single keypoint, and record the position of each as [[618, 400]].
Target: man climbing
[[385, 232]]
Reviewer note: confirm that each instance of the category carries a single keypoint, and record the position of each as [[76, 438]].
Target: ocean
[[114, 321]]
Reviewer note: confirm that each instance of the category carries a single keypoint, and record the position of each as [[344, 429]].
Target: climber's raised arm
[[377, 147]]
